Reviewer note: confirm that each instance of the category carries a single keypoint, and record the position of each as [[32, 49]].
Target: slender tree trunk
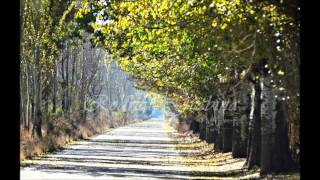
[[38, 115], [22, 108], [27, 100], [72, 81], [54, 92], [63, 85], [67, 80], [28, 115], [46, 105], [83, 88], [33, 117], [76, 84]]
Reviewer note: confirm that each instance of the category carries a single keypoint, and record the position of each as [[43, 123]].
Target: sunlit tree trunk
[[267, 125], [22, 102], [27, 98], [254, 140]]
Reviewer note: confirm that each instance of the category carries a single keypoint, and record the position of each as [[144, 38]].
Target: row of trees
[[250, 122], [43, 32], [197, 51], [62, 72]]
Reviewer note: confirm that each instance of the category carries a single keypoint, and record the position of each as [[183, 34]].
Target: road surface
[[139, 151]]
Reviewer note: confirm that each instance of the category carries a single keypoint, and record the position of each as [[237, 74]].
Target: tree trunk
[[267, 127], [22, 108], [28, 114], [38, 113], [281, 159], [194, 126], [72, 81], [83, 86], [240, 124], [210, 126], [227, 132], [33, 117], [254, 140], [238, 116], [46, 106], [67, 81], [203, 125], [28, 118], [54, 92], [219, 116], [63, 86], [213, 121], [27, 100]]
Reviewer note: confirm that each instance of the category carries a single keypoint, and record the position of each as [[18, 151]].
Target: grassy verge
[[199, 158], [62, 131]]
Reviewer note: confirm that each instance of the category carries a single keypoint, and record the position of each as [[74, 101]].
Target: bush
[[29, 146], [120, 118], [61, 130]]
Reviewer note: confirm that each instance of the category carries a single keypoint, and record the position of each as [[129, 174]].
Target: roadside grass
[[63, 131], [199, 158]]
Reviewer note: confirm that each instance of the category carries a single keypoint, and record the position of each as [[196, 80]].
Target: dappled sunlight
[[149, 149], [142, 150], [145, 150], [198, 158]]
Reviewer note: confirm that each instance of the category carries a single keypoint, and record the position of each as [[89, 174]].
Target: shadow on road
[[143, 150]]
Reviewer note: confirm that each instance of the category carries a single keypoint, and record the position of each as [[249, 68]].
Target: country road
[[139, 151]]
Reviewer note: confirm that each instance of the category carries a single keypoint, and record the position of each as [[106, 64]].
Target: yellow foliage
[[223, 26], [214, 23]]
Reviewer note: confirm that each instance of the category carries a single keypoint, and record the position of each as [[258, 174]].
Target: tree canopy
[[190, 50]]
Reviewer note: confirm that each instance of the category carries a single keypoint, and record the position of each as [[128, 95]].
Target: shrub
[[29, 146], [61, 130]]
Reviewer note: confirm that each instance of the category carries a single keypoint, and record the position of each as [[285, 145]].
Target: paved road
[[139, 151]]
